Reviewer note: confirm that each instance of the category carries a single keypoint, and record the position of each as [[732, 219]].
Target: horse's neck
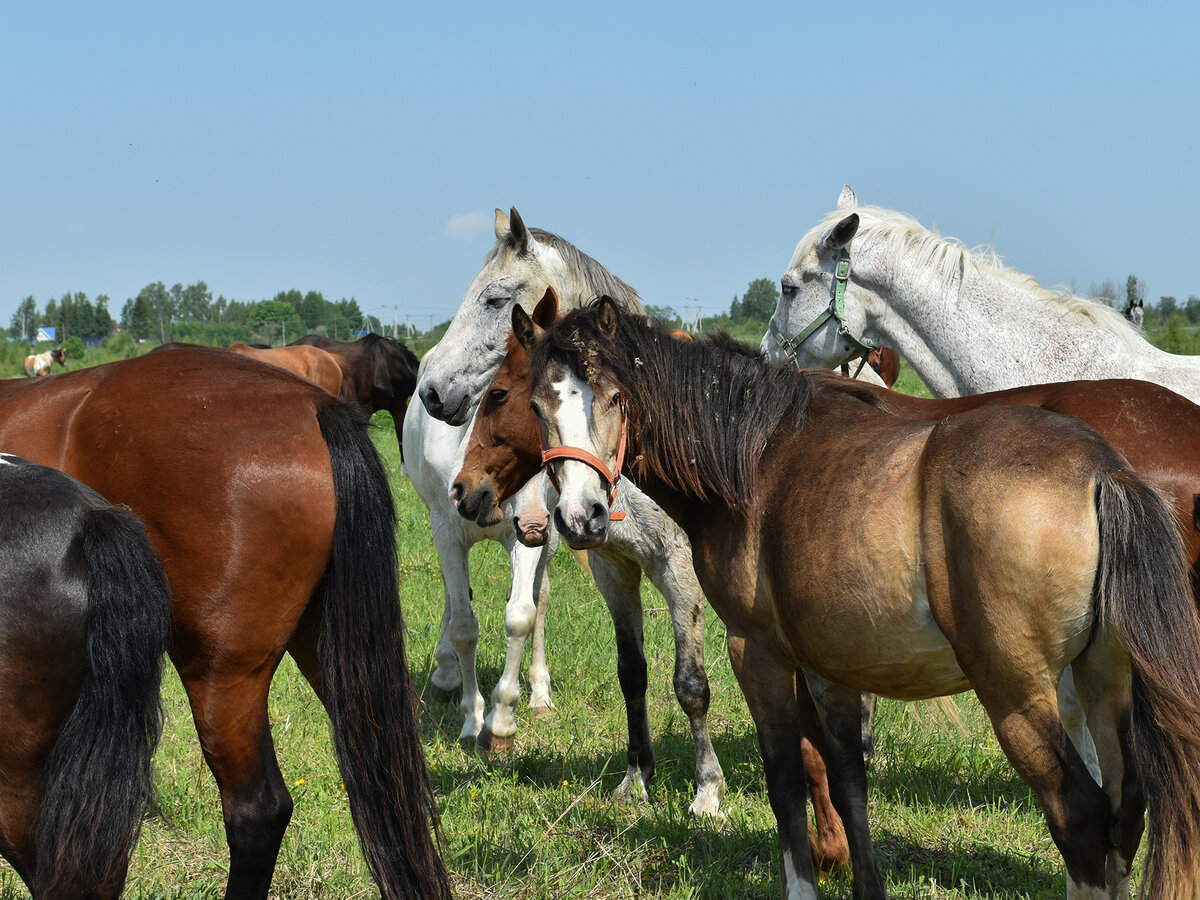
[[986, 332]]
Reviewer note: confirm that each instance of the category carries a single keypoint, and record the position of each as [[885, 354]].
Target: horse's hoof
[[469, 743], [495, 745], [542, 712], [443, 695]]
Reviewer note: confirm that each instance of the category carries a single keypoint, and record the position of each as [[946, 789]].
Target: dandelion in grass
[[298, 782]]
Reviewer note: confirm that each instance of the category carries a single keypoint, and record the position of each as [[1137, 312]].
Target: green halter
[[835, 310]]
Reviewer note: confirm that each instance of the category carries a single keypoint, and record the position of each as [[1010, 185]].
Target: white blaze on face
[[581, 485], [5, 459]]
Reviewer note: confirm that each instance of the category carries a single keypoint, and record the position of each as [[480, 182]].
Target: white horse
[[521, 265], [966, 323]]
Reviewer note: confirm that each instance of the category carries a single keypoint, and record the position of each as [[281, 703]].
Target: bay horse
[[272, 514], [987, 550], [378, 372], [964, 322], [503, 452], [84, 617], [312, 363], [40, 363]]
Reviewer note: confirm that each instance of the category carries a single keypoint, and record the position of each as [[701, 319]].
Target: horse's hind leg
[[841, 711], [463, 627], [619, 580], [676, 580], [229, 705], [769, 685], [1103, 685]]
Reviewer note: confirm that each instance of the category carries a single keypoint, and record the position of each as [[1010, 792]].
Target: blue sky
[[360, 149]]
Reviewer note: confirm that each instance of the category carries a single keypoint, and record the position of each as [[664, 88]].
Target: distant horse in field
[[84, 614], [272, 513], [965, 323], [378, 372], [311, 363], [39, 364], [987, 550]]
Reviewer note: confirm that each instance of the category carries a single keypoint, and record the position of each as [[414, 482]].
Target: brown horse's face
[[505, 447], [583, 414]]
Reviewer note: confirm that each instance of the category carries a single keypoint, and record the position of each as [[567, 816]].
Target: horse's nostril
[[456, 492]]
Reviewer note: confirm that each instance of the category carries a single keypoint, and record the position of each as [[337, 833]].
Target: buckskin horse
[[271, 512], [84, 614], [988, 550]]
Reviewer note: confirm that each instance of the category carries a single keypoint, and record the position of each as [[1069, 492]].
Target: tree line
[[191, 314]]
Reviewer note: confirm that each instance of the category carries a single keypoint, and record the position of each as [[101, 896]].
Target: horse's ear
[[524, 328], [847, 199], [608, 317], [520, 234], [546, 311], [502, 226], [841, 234]]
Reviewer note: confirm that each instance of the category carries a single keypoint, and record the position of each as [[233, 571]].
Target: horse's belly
[[894, 648]]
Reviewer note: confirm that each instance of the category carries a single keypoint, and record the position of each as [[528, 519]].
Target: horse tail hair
[[99, 778], [1146, 598], [364, 672]]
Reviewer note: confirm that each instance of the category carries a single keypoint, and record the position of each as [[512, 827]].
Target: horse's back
[[210, 449]]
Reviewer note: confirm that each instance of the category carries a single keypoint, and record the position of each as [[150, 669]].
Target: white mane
[[949, 260]]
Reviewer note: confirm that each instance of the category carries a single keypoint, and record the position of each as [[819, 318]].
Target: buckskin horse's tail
[[364, 672], [98, 775], [1146, 597]]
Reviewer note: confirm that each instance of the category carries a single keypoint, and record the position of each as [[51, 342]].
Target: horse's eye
[[615, 400], [497, 396]]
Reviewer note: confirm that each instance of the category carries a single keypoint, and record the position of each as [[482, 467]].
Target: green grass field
[[949, 816]]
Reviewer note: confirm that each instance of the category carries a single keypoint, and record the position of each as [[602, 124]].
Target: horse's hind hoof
[[495, 745], [542, 712], [444, 696]]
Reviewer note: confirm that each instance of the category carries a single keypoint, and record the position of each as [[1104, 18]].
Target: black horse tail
[[364, 671], [99, 780], [1146, 598]]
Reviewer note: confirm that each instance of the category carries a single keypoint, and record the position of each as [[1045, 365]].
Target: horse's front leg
[[529, 577], [768, 682], [619, 578]]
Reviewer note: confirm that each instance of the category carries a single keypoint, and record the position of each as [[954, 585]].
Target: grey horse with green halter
[[836, 310]]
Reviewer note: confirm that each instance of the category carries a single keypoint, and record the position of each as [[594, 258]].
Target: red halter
[[583, 456]]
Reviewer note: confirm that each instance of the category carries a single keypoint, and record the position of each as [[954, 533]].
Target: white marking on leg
[[794, 886]]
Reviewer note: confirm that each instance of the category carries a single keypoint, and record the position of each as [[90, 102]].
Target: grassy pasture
[[950, 818]]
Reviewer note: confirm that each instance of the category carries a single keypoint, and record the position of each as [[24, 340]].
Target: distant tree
[[665, 315], [760, 300], [73, 347], [24, 320], [315, 310], [104, 320], [138, 317], [194, 303], [49, 317], [1192, 310], [270, 311], [1167, 307]]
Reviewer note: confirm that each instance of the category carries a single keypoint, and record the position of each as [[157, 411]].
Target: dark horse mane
[[708, 409]]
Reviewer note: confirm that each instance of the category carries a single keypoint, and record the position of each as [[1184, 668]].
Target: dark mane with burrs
[[703, 413]]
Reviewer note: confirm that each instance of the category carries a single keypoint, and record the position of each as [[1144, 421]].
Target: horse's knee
[[691, 688]]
